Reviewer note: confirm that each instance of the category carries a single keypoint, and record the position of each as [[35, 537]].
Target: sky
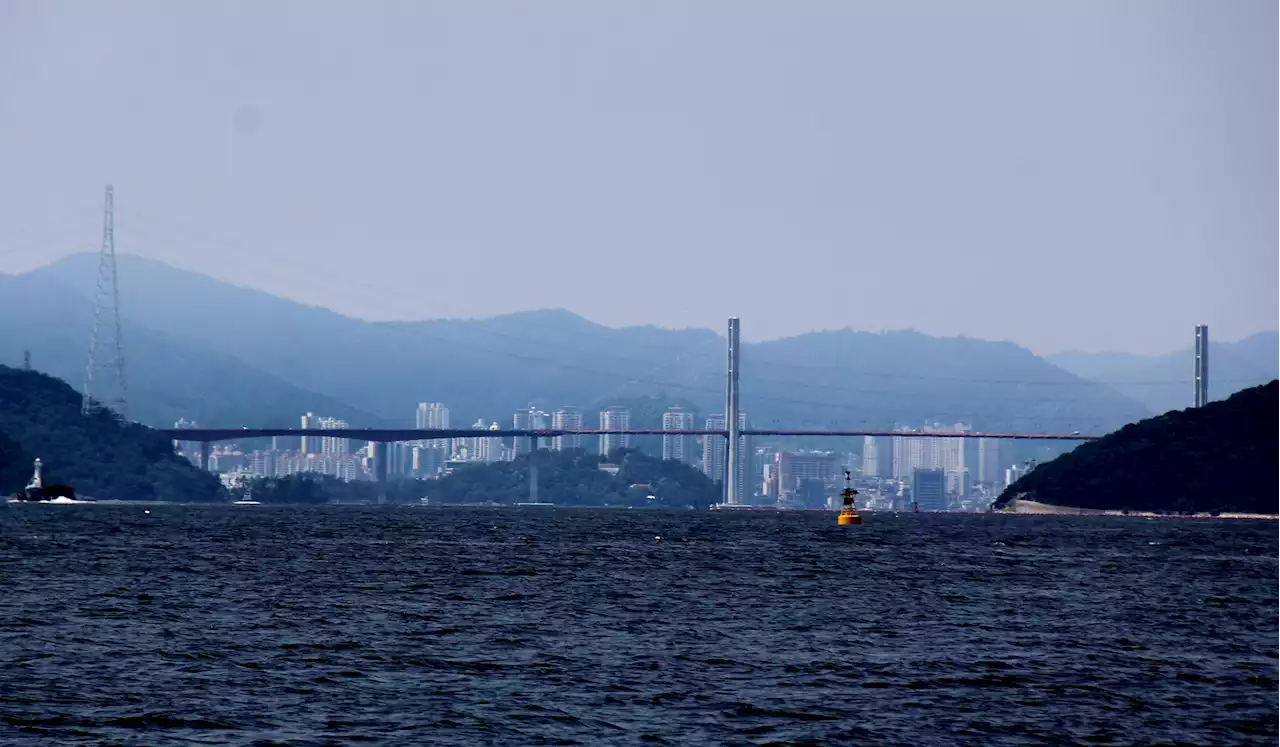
[[1089, 175]]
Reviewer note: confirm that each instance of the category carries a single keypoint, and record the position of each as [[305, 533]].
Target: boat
[[37, 492], [849, 512], [247, 500]]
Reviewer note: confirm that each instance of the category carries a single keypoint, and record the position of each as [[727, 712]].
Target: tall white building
[[991, 461], [333, 446], [323, 444], [569, 419], [433, 416], [478, 446], [877, 456], [529, 419], [678, 447], [613, 419], [911, 453], [310, 445], [908, 453], [493, 446]]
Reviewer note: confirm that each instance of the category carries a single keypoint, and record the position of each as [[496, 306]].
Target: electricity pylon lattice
[[106, 345]]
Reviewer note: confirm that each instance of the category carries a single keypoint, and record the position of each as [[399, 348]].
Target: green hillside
[[99, 455], [574, 478]]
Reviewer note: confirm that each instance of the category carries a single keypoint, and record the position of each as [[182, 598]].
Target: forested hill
[[98, 455], [1217, 458], [573, 478]]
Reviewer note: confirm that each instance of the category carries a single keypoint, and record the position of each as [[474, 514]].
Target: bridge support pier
[[204, 456], [380, 454]]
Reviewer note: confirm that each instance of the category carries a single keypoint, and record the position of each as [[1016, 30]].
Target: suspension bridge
[[107, 348]]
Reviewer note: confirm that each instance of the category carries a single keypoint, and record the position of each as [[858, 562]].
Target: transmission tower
[[106, 346]]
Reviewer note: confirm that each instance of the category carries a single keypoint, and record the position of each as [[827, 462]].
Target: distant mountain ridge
[[168, 376], [1165, 382], [374, 373]]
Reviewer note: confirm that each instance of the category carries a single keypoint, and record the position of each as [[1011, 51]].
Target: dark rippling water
[[254, 625]]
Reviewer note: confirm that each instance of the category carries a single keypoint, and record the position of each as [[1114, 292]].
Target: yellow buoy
[[848, 513]]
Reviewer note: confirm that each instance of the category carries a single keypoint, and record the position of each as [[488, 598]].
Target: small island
[[628, 478], [1216, 459], [573, 477]]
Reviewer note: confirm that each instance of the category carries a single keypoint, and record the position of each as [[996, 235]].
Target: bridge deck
[[414, 434]]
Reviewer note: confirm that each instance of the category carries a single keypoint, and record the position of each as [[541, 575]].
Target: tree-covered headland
[[100, 455], [1214, 459], [575, 478]]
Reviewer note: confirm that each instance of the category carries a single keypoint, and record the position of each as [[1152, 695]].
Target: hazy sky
[[1093, 175]]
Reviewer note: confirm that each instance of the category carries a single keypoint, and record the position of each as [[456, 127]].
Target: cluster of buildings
[[934, 472], [902, 471]]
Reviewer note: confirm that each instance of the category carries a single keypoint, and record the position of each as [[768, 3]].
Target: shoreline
[[1036, 508]]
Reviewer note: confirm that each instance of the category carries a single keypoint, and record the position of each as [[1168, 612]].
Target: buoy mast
[[848, 512]]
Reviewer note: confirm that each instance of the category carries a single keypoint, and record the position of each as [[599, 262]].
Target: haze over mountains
[[225, 355], [1163, 382]]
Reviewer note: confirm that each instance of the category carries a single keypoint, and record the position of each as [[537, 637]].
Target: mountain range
[[1164, 382], [226, 355]]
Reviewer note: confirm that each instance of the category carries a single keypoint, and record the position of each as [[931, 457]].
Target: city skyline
[[768, 473], [1057, 185]]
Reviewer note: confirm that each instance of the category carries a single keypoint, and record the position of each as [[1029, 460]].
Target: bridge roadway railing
[[385, 435]]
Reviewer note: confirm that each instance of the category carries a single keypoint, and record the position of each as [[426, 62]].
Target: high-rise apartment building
[[430, 416], [323, 444], [928, 452], [676, 446], [330, 445], [528, 419], [713, 450], [793, 470], [433, 416], [991, 461], [929, 489], [493, 446], [569, 419], [877, 456], [310, 445], [614, 419], [262, 463]]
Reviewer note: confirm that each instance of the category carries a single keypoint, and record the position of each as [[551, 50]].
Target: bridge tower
[[380, 454], [731, 417], [1202, 365], [106, 335]]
